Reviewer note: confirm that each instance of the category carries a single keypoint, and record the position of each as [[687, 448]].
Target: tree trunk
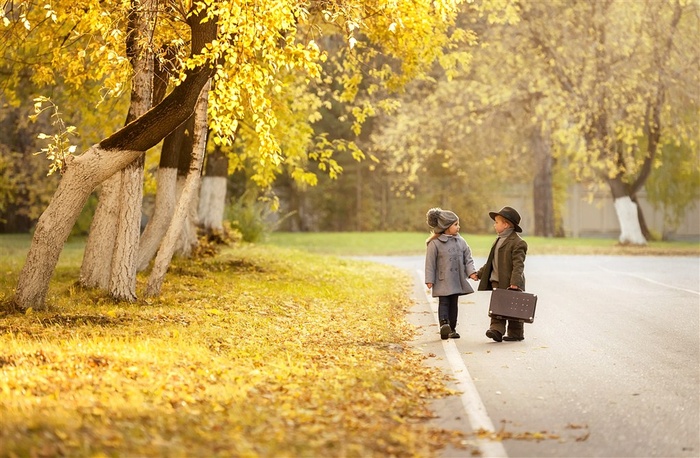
[[212, 194], [627, 214], [358, 198], [84, 173], [114, 232], [166, 193], [188, 241], [97, 257], [186, 160], [543, 197], [642, 221], [167, 249], [122, 280]]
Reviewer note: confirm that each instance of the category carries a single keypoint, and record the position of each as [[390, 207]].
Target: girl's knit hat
[[439, 220]]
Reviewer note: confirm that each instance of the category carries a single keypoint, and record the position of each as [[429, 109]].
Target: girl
[[448, 263]]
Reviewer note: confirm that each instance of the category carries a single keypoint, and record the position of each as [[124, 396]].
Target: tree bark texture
[[166, 194], [167, 248], [543, 195], [157, 226], [212, 204], [187, 240], [212, 194], [122, 279], [84, 173], [97, 257], [122, 284]]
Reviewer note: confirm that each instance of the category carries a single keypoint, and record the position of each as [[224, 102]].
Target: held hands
[[474, 276]]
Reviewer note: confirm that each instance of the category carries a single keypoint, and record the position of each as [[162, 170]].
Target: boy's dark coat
[[511, 264]]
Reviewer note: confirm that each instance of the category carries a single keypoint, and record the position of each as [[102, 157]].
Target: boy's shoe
[[445, 330], [512, 339], [495, 335], [454, 335]]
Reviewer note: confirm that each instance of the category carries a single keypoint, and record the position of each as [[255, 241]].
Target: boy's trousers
[[515, 327]]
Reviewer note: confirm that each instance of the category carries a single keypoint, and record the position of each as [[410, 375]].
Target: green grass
[[413, 243]]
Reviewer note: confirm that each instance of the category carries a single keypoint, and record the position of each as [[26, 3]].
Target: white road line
[[473, 405], [650, 280]]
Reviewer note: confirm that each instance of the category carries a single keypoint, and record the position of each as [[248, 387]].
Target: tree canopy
[[250, 53]]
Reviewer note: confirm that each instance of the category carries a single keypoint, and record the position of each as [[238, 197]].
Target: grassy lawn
[[260, 351], [413, 243]]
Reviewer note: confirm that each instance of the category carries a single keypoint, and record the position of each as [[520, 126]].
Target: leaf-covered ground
[[259, 351]]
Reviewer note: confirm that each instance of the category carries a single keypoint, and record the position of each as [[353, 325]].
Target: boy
[[505, 268]]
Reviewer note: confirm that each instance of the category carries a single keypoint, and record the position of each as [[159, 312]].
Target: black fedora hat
[[510, 214]]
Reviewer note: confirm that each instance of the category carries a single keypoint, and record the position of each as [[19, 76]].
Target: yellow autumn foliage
[[260, 351]]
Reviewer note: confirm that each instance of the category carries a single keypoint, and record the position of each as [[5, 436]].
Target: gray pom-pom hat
[[439, 220]]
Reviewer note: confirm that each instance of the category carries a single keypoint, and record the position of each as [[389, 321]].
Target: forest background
[[345, 116]]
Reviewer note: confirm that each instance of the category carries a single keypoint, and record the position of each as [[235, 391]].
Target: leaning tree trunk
[[97, 257], [85, 172], [166, 192], [110, 253], [189, 192], [187, 239], [212, 193]]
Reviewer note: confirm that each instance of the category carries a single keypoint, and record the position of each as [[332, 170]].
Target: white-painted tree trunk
[[83, 174], [166, 199], [97, 257], [188, 240], [630, 230], [117, 225], [212, 200], [189, 192], [122, 279]]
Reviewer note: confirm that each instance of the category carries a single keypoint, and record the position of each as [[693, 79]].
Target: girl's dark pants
[[448, 308]]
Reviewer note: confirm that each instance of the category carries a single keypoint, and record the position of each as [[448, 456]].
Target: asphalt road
[[609, 368]]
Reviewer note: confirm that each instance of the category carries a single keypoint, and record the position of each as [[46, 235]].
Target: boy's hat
[[510, 214], [439, 220]]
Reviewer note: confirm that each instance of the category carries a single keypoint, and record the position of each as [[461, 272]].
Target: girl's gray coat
[[448, 263]]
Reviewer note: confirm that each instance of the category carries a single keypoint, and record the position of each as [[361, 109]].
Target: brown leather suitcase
[[513, 305]]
